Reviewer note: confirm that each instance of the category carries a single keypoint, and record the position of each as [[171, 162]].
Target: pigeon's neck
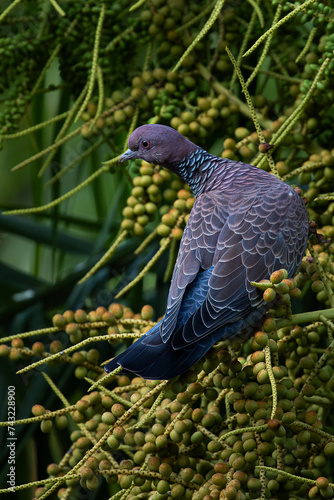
[[199, 170]]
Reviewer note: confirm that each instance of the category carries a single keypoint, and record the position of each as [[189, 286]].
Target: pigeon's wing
[[228, 243], [194, 261]]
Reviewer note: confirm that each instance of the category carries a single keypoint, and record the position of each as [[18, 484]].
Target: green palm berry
[[177, 491], [58, 320]]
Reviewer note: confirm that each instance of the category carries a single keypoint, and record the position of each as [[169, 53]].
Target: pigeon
[[245, 224]]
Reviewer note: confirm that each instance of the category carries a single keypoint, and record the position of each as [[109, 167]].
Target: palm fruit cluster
[[309, 274], [156, 192], [248, 421]]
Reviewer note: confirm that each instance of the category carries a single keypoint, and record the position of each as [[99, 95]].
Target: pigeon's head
[[158, 144]]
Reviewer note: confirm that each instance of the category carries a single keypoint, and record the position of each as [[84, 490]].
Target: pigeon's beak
[[128, 155]]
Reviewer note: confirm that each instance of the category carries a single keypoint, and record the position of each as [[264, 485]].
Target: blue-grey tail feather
[[150, 358], [153, 359], [160, 362]]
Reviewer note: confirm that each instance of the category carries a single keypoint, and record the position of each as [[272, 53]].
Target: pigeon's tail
[[152, 359]]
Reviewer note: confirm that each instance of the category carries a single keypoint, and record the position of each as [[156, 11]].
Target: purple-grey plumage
[[245, 224]]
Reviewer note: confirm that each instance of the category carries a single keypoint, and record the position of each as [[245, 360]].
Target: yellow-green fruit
[[137, 82], [128, 212], [113, 442], [153, 190], [163, 230], [46, 426], [169, 195], [177, 184], [92, 483], [80, 372], [165, 174], [225, 112], [58, 320], [127, 224], [189, 81], [61, 421], [194, 127], [282, 288], [183, 194], [91, 108], [163, 487], [180, 205], [146, 169], [86, 472], [177, 491], [108, 418], [138, 192], [157, 179], [187, 116], [137, 93], [146, 180], [55, 346], [118, 410], [168, 219], [139, 209], [76, 337], [229, 154], [171, 87], [147, 312], [138, 229], [132, 201], [136, 181], [117, 95], [223, 65], [190, 202], [119, 116], [175, 122], [150, 208], [206, 121], [177, 233], [183, 129], [305, 178], [203, 103], [72, 328], [143, 220], [277, 276], [68, 316], [213, 113], [229, 143], [38, 410], [152, 93], [241, 133], [245, 152], [17, 343], [282, 167], [129, 111]]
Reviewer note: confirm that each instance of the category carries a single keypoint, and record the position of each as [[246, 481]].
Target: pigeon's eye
[[145, 144]]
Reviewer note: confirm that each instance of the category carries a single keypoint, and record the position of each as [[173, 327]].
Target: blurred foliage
[[251, 420]]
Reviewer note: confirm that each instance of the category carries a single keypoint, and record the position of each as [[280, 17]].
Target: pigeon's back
[[240, 231]]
